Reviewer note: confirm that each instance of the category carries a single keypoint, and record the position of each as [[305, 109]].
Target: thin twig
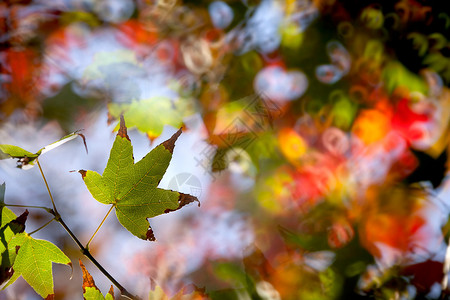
[[49, 210], [86, 253]]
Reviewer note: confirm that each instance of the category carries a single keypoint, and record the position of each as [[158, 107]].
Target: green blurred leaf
[[70, 17], [104, 59], [435, 61], [308, 242], [263, 148], [230, 273], [344, 112], [132, 189], [241, 283], [150, 115], [396, 75], [67, 106]]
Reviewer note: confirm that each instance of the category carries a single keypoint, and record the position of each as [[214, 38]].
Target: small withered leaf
[[88, 280], [111, 291]]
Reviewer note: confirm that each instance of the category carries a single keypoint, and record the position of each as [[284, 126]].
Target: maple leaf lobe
[[170, 143], [123, 129], [183, 200]]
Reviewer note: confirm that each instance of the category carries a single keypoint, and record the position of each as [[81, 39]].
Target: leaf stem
[[99, 226], [46, 184], [43, 226], [49, 210]]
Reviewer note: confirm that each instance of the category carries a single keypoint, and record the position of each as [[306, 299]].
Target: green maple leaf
[[132, 188], [27, 158], [34, 262], [10, 226], [90, 290], [22, 255]]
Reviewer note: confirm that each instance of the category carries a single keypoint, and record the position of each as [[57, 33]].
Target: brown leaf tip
[[150, 235], [50, 297], [123, 129], [183, 200], [111, 291], [71, 268], [20, 220], [83, 173], [88, 280], [170, 143]]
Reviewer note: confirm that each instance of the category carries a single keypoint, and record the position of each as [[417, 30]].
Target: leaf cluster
[[129, 188]]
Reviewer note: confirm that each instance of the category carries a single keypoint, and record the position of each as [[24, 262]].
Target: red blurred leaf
[[21, 67], [404, 117], [393, 230], [425, 274]]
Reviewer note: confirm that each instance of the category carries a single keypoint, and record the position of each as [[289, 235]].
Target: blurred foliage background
[[316, 136]]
